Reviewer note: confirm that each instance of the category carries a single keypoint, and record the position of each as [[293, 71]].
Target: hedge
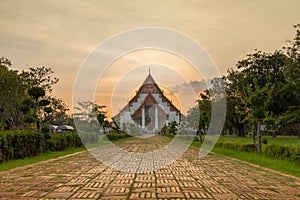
[[115, 136], [245, 147], [283, 152], [89, 138], [18, 144], [59, 142]]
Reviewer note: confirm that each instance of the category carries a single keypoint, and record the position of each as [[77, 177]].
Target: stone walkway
[[81, 176]]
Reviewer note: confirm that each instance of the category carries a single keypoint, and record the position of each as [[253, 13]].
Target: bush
[[264, 141], [245, 147], [283, 152], [89, 138], [20, 144], [124, 135], [112, 136], [59, 142]]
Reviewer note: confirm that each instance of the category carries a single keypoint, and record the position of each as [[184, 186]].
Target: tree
[[58, 114], [204, 109], [236, 111], [172, 127], [40, 77], [257, 71], [40, 105], [39, 83], [292, 88], [12, 93], [87, 114], [26, 97], [101, 115]]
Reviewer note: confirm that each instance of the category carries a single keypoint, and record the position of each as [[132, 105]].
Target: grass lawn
[[282, 140], [281, 165], [284, 166], [43, 156], [51, 154]]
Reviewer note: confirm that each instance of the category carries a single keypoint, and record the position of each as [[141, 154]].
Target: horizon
[[55, 35]]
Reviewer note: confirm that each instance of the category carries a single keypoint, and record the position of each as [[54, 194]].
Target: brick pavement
[[81, 176]]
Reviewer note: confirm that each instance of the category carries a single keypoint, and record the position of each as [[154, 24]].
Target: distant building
[[150, 109], [53, 128], [61, 128], [65, 128]]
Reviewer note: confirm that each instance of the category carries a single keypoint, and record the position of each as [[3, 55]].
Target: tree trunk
[[37, 125], [199, 133], [200, 136], [241, 132], [259, 149], [36, 115]]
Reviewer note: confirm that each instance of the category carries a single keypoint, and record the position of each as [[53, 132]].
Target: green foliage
[[89, 138], [283, 152], [20, 144], [265, 87], [113, 136], [45, 129], [12, 92], [41, 157], [172, 128], [244, 147], [27, 98], [59, 142], [164, 130], [264, 141], [40, 77], [89, 116], [36, 92]]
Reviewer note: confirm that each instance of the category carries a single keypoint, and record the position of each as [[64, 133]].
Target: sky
[[62, 34]]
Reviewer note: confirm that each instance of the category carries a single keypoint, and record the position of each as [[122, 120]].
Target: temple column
[[156, 118], [143, 118]]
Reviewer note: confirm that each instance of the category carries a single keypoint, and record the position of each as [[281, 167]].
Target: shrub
[[115, 136], [264, 141], [124, 135], [59, 142], [45, 129], [283, 152], [20, 144], [89, 138], [111, 136], [245, 147]]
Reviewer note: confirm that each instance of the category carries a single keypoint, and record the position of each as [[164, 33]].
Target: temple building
[[149, 109]]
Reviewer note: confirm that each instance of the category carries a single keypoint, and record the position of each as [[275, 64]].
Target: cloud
[[197, 86], [60, 34]]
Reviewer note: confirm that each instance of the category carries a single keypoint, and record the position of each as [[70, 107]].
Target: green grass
[[282, 140], [52, 154], [281, 165], [43, 156]]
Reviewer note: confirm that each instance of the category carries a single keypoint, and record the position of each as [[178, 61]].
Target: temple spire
[[149, 71]]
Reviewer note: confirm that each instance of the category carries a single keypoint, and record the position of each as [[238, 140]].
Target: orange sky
[[125, 75], [61, 34]]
